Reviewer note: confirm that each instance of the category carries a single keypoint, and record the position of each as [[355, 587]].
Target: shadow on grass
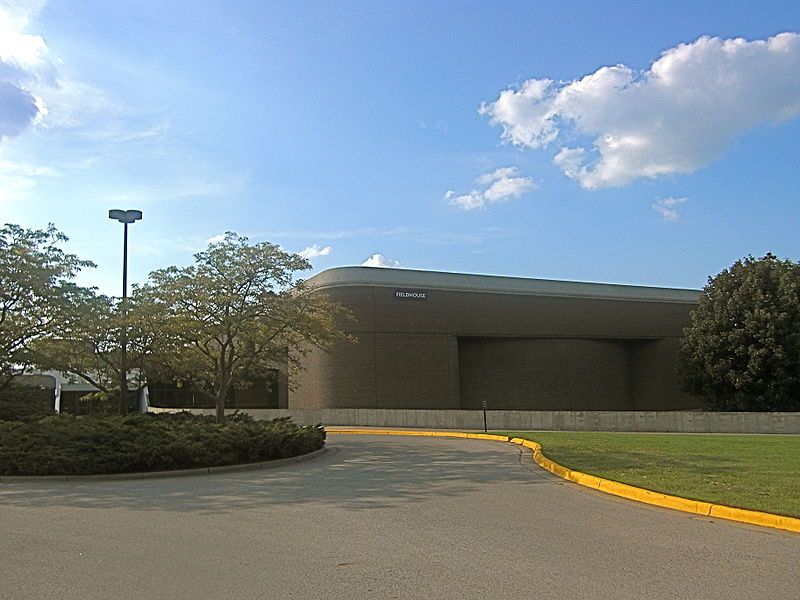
[[358, 472]]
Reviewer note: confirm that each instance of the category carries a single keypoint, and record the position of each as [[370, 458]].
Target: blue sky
[[592, 141]]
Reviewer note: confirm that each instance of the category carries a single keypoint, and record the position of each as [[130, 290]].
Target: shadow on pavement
[[358, 472]]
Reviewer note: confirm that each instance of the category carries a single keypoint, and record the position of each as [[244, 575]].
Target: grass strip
[[757, 472]]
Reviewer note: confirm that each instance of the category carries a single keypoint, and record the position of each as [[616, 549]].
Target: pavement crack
[[526, 460]]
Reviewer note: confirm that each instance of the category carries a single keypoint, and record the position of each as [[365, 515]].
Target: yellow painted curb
[[455, 434], [706, 509]]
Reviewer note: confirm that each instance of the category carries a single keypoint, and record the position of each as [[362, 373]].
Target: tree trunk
[[5, 382], [222, 393], [220, 407]]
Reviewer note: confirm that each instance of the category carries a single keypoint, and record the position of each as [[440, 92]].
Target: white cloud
[[667, 208], [313, 251], [570, 161], [379, 260], [500, 185], [676, 117], [190, 185], [417, 235], [6, 166], [24, 67], [36, 88], [469, 201], [214, 239], [120, 134], [17, 179]]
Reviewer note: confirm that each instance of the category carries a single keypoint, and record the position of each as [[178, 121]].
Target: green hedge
[[68, 445], [22, 403]]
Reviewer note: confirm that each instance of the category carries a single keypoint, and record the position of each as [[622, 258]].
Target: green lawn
[[759, 472]]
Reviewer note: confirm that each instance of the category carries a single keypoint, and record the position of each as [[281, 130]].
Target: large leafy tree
[[38, 294], [89, 347], [236, 312], [742, 348]]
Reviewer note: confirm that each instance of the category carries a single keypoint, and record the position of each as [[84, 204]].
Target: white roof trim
[[408, 278]]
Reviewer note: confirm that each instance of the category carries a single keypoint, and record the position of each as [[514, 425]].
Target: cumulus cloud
[[313, 251], [379, 260], [676, 117], [498, 186], [216, 239], [667, 208], [18, 110], [24, 66], [33, 91]]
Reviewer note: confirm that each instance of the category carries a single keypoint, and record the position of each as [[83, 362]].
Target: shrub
[[69, 445], [20, 402]]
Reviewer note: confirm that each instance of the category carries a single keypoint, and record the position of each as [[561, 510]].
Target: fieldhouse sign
[[410, 295]]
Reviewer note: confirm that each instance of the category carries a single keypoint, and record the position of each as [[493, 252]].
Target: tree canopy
[[236, 312], [89, 346], [742, 348], [38, 294]]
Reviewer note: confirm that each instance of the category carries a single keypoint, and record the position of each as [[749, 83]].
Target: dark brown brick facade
[[518, 344]]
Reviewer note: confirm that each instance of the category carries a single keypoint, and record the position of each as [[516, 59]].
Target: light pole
[[126, 217]]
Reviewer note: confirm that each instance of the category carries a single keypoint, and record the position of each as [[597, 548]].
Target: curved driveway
[[377, 517]]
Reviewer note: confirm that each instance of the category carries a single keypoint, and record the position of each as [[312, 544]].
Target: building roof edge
[[411, 278]]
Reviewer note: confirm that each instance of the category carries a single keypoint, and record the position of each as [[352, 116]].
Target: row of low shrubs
[[22, 403], [68, 445]]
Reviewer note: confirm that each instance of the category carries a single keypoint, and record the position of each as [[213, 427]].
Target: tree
[[742, 348], [236, 312], [89, 347], [37, 293]]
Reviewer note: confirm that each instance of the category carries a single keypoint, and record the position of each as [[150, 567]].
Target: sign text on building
[[411, 295]]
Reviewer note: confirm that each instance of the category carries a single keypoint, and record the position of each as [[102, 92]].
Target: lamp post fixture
[[126, 217]]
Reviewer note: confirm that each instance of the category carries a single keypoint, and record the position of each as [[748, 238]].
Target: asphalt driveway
[[377, 517]]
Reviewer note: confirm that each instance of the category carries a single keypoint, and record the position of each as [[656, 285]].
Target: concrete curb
[[267, 464], [705, 509]]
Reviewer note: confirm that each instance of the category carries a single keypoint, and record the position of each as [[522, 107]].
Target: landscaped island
[[67, 445]]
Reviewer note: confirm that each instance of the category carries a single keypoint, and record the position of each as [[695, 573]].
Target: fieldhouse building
[[429, 340]]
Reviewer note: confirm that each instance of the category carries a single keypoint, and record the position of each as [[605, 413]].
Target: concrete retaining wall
[[545, 420]]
